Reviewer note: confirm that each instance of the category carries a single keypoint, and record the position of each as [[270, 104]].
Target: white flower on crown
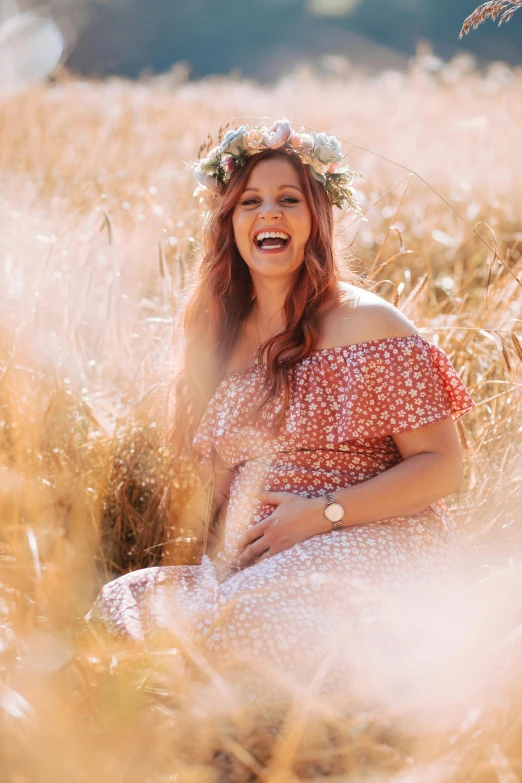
[[326, 148], [233, 141], [207, 199], [317, 166], [207, 181], [255, 140]]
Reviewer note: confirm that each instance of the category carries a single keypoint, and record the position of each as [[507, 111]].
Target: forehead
[[274, 172]]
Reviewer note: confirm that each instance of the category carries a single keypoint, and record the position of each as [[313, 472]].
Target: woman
[[325, 415]]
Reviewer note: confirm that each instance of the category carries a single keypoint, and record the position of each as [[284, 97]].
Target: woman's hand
[[295, 519]]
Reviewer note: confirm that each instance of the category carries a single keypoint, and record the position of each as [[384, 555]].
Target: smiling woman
[[269, 186], [339, 442], [272, 219]]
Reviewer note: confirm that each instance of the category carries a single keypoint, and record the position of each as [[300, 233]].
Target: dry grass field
[[98, 232]]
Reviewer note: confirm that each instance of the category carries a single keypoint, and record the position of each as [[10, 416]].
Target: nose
[[270, 209]]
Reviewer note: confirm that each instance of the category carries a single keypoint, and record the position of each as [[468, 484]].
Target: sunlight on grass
[[98, 232]]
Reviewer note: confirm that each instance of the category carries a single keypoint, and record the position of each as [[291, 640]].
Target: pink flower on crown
[[302, 142], [228, 164], [278, 134]]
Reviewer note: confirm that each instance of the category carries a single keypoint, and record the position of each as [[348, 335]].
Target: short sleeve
[[225, 426], [224, 413], [404, 384]]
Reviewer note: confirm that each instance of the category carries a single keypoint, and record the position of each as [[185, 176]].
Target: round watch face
[[334, 512]]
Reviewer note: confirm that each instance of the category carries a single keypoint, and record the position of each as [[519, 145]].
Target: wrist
[[321, 523]]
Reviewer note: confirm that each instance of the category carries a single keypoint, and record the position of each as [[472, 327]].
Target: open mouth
[[272, 240]]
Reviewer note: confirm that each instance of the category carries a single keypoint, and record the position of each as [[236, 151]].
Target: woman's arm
[[432, 469], [432, 466]]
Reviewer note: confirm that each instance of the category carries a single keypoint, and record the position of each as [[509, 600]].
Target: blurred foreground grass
[[98, 230]]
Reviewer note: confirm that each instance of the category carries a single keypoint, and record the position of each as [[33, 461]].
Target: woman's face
[[272, 202]]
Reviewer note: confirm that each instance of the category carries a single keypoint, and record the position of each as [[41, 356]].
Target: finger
[[252, 551], [275, 498], [250, 535]]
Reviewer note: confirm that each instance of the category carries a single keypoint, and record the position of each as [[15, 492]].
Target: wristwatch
[[333, 511]]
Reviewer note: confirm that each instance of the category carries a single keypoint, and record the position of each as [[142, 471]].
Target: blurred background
[[261, 40], [102, 106], [264, 39]]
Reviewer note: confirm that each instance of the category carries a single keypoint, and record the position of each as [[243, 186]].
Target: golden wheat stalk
[[490, 10]]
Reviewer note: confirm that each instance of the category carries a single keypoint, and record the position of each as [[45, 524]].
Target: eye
[[289, 199]]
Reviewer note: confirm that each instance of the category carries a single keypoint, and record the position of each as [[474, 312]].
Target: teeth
[[272, 235]]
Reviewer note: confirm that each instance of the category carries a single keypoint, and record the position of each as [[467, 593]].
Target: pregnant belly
[[254, 476]]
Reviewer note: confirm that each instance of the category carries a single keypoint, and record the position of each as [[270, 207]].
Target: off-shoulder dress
[[345, 404]]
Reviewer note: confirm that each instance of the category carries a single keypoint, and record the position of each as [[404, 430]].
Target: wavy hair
[[222, 295]]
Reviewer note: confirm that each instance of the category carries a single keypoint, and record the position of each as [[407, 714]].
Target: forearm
[[402, 490]]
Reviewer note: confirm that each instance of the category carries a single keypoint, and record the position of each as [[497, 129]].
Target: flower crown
[[320, 151]]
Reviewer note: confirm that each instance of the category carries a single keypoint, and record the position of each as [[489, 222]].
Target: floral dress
[[345, 404]]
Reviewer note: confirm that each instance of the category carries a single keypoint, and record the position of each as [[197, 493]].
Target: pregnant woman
[[326, 417]]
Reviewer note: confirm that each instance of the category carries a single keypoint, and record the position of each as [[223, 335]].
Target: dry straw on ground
[[97, 232]]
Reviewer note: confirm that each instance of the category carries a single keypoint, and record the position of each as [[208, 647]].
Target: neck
[[270, 298]]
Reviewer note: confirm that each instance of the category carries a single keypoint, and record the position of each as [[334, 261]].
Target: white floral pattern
[[345, 404]]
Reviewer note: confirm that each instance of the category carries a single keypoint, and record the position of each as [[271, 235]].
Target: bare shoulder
[[363, 316]]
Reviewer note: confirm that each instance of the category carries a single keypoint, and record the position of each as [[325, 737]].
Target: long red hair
[[222, 294]]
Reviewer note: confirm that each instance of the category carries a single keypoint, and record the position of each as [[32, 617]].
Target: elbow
[[455, 477], [448, 474]]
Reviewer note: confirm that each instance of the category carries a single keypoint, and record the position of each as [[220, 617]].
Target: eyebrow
[[279, 188]]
